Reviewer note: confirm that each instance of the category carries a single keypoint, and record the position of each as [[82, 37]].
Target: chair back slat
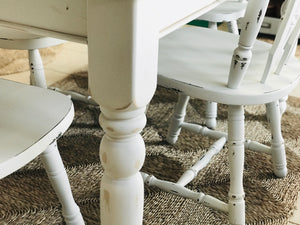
[[289, 48], [286, 35], [250, 27]]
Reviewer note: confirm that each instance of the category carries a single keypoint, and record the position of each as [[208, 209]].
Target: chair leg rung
[[192, 172], [76, 96], [180, 190], [257, 147], [196, 128]]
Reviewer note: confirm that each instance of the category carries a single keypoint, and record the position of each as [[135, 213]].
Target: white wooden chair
[[229, 12], [202, 63], [20, 40], [32, 119]]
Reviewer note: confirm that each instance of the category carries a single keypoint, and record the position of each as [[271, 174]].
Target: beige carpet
[[26, 196]]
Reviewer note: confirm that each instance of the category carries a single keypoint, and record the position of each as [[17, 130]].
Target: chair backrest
[[286, 36]]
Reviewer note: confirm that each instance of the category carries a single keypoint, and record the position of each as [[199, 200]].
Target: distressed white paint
[[60, 182], [236, 202], [211, 114], [180, 190], [229, 12], [177, 118], [277, 142], [197, 62], [37, 73], [122, 39], [192, 172], [242, 55], [16, 39], [285, 38], [36, 118]]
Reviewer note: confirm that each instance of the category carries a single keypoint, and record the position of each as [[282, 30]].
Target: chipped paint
[[137, 164], [259, 15], [137, 130], [106, 197], [247, 25], [124, 107], [110, 129], [104, 157], [243, 65]]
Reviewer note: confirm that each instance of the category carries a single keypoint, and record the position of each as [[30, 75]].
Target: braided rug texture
[[26, 197]]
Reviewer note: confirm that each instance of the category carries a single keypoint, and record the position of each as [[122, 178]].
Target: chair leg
[[282, 104], [233, 27], [236, 164], [177, 118], [60, 182], [37, 74], [38, 78], [211, 114], [277, 142], [212, 25], [211, 107]]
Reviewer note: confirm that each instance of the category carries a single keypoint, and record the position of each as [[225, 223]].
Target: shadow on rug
[[26, 196]]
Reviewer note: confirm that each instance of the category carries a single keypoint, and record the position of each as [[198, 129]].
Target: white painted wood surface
[[59, 179], [242, 55], [11, 38], [68, 19], [122, 39], [16, 39], [37, 73], [32, 119], [198, 61], [122, 79], [229, 11], [214, 86], [55, 15]]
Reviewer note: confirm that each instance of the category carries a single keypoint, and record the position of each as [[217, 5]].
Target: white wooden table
[[122, 37]]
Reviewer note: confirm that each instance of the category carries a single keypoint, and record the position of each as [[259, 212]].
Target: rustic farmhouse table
[[122, 38]]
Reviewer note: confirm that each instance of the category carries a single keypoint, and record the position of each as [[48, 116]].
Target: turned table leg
[[122, 153], [123, 55]]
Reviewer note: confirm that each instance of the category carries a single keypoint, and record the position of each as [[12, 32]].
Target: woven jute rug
[[15, 61], [26, 197]]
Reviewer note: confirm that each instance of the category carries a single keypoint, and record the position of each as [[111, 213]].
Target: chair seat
[[17, 39], [8, 33], [196, 61], [225, 12], [45, 114]]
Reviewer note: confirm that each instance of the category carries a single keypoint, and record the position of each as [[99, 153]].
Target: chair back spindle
[[289, 48], [250, 27], [285, 39]]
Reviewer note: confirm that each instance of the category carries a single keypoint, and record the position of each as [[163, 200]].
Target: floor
[[73, 58]]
